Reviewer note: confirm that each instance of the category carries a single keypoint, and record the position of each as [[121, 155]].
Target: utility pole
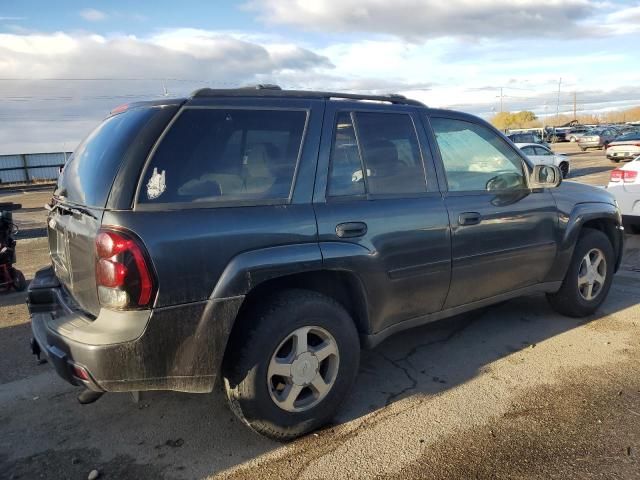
[[558, 101], [501, 97], [575, 104]]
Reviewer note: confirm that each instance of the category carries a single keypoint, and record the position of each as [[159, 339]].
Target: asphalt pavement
[[512, 391]]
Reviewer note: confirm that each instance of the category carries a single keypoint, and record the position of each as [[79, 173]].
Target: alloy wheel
[[592, 274], [303, 369]]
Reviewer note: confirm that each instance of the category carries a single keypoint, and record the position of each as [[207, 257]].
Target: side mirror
[[545, 176]]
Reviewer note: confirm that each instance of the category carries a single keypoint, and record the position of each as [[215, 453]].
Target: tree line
[[528, 119]]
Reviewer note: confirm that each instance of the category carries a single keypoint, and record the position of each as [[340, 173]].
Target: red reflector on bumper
[[80, 372]]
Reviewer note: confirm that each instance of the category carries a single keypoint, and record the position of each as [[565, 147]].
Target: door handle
[[469, 218], [351, 229]]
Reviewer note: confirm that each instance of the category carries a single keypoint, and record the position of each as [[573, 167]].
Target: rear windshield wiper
[[68, 210]]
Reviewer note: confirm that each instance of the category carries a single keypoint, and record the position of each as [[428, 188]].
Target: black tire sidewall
[[299, 309], [18, 280], [589, 240]]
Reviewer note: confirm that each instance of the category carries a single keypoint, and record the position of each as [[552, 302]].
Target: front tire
[[293, 368], [588, 279], [564, 169]]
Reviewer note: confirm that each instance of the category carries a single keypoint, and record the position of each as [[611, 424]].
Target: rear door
[[379, 210], [228, 176], [503, 233]]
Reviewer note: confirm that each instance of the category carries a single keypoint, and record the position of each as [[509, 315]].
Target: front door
[[379, 210], [503, 233]]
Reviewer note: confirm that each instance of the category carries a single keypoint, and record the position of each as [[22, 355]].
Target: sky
[[64, 65]]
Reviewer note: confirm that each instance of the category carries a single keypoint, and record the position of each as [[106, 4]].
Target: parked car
[[527, 138], [574, 133], [555, 134], [624, 185], [624, 147], [263, 237], [541, 155], [597, 138]]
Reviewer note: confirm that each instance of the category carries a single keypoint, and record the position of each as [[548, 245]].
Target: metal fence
[[31, 167]]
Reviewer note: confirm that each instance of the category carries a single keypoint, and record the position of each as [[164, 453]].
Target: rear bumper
[[590, 144], [177, 348]]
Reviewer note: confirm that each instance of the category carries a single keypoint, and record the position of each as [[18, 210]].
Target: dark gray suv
[[264, 237]]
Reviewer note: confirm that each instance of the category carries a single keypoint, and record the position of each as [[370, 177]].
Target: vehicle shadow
[[583, 171], [440, 356], [196, 435], [11, 297]]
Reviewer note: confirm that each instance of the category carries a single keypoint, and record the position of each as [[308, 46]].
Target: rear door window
[[528, 150], [218, 154], [386, 145]]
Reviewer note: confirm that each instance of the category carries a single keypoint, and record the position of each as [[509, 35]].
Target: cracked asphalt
[[512, 391]]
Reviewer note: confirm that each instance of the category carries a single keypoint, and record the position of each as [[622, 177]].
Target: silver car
[[597, 138]]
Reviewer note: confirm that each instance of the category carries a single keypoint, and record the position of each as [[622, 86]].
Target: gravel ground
[[514, 391]]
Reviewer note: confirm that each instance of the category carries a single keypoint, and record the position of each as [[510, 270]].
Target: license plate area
[[59, 250]]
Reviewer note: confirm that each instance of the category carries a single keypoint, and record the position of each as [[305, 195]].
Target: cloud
[[12, 19], [62, 82], [420, 19], [624, 21], [195, 54], [93, 15], [590, 100]]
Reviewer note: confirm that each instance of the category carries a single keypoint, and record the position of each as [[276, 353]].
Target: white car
[[625, 147], [541, 155], [624, 184]]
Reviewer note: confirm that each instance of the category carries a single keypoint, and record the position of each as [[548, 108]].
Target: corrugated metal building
[[29, 167]]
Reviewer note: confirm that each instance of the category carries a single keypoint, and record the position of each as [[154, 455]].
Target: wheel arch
[[596, 215], [256, 275]]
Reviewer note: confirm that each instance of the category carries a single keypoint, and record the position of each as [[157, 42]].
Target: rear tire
[[293, 368], [587, 282], [584, 149], [19, 282]]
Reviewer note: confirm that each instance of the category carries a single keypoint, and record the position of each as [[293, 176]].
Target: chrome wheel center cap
[[304, 368]]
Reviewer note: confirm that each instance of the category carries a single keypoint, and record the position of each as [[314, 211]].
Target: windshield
[[88, 175]]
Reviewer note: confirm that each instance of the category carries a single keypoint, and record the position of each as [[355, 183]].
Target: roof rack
[[269, 90]]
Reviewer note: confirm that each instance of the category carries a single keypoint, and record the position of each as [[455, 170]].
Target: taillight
[[629, 176], [626, 176], [123, 272]]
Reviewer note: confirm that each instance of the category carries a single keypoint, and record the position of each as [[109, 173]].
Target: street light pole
[[558, 102]]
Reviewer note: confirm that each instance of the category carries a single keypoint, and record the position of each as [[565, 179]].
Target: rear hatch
[[104, 160]]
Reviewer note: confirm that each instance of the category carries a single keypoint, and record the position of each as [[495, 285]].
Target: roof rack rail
[[269, 90], [262, 86]]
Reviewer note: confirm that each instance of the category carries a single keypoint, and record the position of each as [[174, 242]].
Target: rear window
[[89, 174], [629, 136], [218, 154]]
